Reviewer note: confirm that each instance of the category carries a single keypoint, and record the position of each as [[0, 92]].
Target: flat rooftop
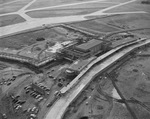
[[88, 45]]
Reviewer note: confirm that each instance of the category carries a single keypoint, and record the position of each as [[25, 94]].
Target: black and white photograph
[[74, 59]]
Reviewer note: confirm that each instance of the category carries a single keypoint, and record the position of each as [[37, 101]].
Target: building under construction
[[84, 50]]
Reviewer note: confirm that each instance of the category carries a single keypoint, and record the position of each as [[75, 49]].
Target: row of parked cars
[[32, 112], [33, 93], [42, 86], [8, 81], [17, 102]]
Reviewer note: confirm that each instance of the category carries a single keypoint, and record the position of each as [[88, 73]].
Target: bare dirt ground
[[133, 80], [98, 101], [26, 39]]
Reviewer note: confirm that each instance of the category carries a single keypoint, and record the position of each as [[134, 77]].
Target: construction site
[[96, 67]]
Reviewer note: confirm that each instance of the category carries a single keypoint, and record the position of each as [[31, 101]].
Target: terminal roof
[[88, 45]]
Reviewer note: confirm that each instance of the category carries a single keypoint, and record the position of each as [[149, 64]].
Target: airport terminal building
[[84, 50]]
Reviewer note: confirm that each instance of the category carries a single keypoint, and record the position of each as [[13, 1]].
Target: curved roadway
[[60, 106]]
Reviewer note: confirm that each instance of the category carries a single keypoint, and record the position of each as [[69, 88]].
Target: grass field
[[5, 1], [99, 27], [60, 13], [13, 7], [69, 10], [127, 21], [135, 6], [117, 0], [87, 5], [10, 20], [47, 3]]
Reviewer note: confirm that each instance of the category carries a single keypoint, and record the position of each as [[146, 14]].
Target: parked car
[[47, 89], [38, 96], [27, 87], [8, 83], [40, 99]]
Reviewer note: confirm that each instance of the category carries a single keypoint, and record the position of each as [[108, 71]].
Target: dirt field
[[134, 83], [2, 66], [96, 102], [10, 20], [26, 39], [13, 7], [119, 111]]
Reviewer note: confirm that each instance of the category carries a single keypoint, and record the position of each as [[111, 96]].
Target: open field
[[10, 20], [144, 33], [87, 5], [140, 112], [98, 101], [92, 25], [58, 13], [21, 40], [5, 1], [69, 10], [25, 39], [13, 7], [48, 3], [127, 21], [133, 80], [135, 6], [2, 66], [119, 111], [117, 0]]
